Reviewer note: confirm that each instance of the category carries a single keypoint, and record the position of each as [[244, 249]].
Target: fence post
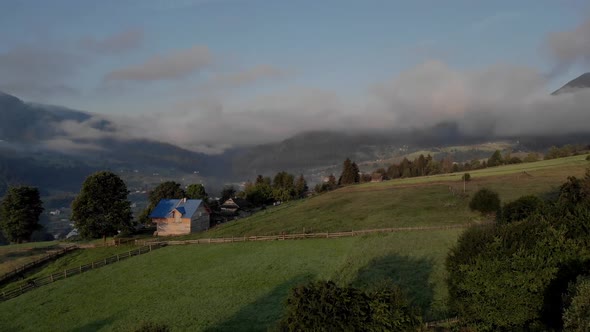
[[150, 247], [117, 257], [80, 268], [65, 274], [105, 261], [51, 277], [93, 265]]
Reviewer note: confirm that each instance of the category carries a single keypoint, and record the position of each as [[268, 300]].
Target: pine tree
[[301, 186]]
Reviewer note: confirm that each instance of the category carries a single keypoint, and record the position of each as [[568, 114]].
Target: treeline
[[281, 188], [565, 151]]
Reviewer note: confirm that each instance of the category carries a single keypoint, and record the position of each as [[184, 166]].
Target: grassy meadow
[[230, 287], [421, 201]]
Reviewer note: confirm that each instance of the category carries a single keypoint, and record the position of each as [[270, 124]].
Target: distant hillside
[[26, 157], [580, 82]]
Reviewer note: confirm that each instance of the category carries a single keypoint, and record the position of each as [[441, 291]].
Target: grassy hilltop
[[421, 201]]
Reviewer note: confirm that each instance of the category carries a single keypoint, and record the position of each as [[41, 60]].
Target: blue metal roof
[[166, 206]]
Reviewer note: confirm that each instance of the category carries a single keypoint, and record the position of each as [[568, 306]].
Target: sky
[[226, 72]]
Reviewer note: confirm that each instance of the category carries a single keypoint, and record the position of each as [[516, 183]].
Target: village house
[[236, 207], [180, 216]]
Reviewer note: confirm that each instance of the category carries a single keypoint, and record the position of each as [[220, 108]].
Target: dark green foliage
[[564, 151], [259, 193], [520, 209], [102, 209], [485, 201], [19, 213], [329, 185], [301, 187], [227, 192], [512, 276], [576, 317], [283, 187], [323, 306], [495, 159], [350, 173], [165, 190], [152, 327], [197, 191], [466, 177]]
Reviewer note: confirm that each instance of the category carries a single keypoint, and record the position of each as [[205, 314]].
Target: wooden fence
[[38, 282], [21, 269], [325, 235]]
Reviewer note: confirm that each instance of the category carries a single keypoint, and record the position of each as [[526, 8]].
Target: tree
[[496, 159], [485, 201], [227, 192], [577, 314], [101, 208], [19, 213], [197, 191], [301, 186], [165, 190], [520, 209], [350, 173], [324, 306]]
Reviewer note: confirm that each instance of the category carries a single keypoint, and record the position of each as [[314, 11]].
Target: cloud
[[500, 100], [175, 65], [120, 42], [570, 47], [247, 76], [497, 101], [37, 72]]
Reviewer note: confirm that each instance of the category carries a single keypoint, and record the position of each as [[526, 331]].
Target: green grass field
[[230, 287], [422, 201]]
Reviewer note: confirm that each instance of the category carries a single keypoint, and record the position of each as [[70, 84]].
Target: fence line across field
[[21, 269], [323, 235], [38, 282]]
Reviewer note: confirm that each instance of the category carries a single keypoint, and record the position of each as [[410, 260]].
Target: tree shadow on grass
[[411, 274], [263, 313], [95, 325]]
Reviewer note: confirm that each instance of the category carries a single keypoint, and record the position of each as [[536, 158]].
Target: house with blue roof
[[180, 216]]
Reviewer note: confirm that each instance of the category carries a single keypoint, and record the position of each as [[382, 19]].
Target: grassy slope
[[17, 255], [423, 201], [70, 261], [230, 287]]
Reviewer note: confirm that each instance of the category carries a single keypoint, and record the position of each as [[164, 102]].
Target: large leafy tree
[[164, 190], [196, 191], [102, 209], [19, 213]]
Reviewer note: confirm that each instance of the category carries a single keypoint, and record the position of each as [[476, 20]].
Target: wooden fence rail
[[21, 269], [34, 283], [325, 235]]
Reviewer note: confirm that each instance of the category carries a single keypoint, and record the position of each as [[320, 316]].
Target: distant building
[[236, 207], [180, 216]]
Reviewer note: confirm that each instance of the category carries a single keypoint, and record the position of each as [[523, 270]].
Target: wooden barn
[[180, 216]]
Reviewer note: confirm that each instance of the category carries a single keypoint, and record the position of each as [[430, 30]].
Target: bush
[[324, 306], [520, 209], [466, 177], [152, 327], [588, 157], [485, 201], [577, 315]]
